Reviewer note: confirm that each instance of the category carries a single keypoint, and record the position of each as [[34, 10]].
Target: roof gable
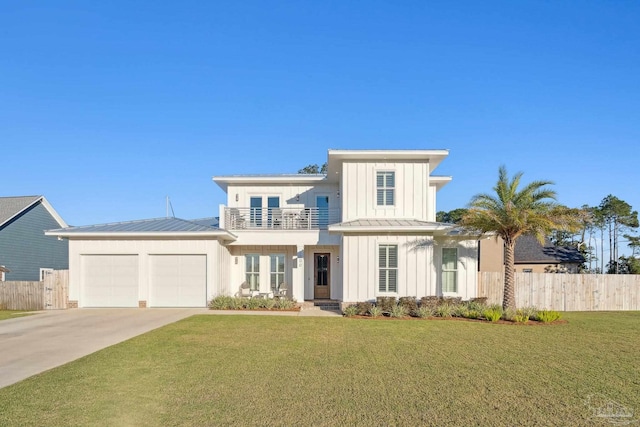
[[11, 207]]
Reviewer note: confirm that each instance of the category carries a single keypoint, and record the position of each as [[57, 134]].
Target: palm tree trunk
[[509, 299]]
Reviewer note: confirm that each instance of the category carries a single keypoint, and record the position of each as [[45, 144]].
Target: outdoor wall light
[[338, 194], [236, 260], [297, 197], [236, 197], [338, 259]]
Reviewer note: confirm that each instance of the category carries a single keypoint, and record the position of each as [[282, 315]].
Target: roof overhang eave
[[372, 229], [221, 235]]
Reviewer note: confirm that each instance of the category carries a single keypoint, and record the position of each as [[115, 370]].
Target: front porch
[[304, 273]]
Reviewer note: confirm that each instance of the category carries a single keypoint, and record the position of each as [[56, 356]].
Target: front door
[[321, 268]]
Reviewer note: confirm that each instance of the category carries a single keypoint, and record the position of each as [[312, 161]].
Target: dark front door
[[322, 270]]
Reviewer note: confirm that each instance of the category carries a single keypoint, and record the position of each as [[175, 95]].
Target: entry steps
[[327, 305]]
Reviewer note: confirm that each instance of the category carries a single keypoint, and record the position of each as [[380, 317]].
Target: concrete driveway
[[33, 344]]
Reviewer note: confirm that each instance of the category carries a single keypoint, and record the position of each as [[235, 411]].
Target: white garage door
[[109, 281], [178, 280]]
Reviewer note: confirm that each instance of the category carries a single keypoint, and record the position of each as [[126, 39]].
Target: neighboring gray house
[[530, 256], [24, 249]]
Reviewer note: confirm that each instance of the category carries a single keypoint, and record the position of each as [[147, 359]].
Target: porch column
[[298, 274]]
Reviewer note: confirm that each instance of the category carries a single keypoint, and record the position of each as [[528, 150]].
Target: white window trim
[[377, 278], [253, 272], [2, 275], [44, 271], [284, 269], [457, 271], [375, 188]]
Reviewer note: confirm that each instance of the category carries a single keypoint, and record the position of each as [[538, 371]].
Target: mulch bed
[[464, 319]]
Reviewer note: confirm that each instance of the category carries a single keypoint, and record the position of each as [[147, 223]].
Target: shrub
[[547, 316], [444, 310], [252, 303], [235, 303], [425, 311], [520, 317], [398, 311], [267, 303], [351, 310], [386, 304], [509, 314], [364, 308], [473, 314], [410, 305], [430, 302], [474, 305], [492, 314], [375, 311], [460, 310], [221, 302], [284, 303], [530, 312], [453, 300]]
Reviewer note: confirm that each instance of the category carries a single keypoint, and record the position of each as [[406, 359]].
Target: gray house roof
[[212, 221], [11, 207], [529, 251], [146, 227]]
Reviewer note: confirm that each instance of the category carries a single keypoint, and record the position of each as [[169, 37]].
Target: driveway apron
[[33, 344]]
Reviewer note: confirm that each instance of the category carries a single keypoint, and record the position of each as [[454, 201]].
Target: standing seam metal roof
[[166, 225]]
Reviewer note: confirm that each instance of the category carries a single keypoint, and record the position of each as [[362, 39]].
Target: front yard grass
[[10, 314], [255, 370]]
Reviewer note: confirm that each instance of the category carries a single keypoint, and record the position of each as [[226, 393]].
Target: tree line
[[605, 226]]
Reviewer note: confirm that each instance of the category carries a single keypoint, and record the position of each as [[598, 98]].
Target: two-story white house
[[365, 229]]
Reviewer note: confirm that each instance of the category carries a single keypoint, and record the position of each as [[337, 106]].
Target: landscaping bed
[[476, 310], [254, 304]]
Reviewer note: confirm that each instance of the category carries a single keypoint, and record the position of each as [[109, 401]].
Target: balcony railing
[[280, 218]]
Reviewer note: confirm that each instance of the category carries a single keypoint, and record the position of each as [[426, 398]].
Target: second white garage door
[[178, 280]]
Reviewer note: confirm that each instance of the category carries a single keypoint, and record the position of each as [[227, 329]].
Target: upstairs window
[[385, 188], [388, 268]]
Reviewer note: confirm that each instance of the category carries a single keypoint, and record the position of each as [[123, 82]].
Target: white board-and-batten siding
[[413, 196], [291, 196], [419, 266]]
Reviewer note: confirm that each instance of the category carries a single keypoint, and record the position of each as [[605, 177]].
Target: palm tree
[[511, 213]]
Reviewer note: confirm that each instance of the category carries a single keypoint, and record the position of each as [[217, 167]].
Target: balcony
[[280, 218]]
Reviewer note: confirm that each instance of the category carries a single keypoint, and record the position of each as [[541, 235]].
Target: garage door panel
[[178, 280], [110, 281]]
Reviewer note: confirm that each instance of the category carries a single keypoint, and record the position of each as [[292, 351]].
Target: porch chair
[[281, 291], [276, 218], [245, 291], [303, 219], [236, 219]]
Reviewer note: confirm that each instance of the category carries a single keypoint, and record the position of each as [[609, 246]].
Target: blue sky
[[108, 107]]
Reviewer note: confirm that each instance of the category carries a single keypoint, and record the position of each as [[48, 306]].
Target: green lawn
[[10, 314], [254, 370]]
